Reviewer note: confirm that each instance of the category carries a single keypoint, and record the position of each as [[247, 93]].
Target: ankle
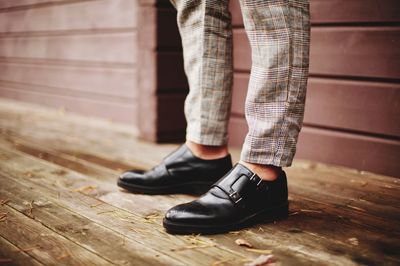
[[265, 172], [207, 152]]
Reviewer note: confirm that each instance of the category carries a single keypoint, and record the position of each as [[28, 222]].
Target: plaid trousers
[[279, 35]]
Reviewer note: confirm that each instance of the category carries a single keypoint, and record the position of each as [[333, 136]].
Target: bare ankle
[[265, 172], [207, 152]]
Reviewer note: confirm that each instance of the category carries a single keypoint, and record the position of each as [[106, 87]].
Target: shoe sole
[[265, 216], [194, 188]]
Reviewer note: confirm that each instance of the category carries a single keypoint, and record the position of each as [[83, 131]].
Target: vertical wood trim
[[147, 77], [162, 83]]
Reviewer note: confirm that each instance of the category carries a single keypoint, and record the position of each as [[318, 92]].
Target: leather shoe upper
[[237, 195], [181, 166]]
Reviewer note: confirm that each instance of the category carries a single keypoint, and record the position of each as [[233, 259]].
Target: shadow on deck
[[60, 204]]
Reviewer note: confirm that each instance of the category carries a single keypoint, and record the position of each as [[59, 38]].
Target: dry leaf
[[85, 189], [356, 208], [312, 211], [353, 241], [30, 214], [243, 243], [260, 251], [262, 260]]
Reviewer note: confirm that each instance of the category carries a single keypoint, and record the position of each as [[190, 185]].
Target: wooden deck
[[60, 204]]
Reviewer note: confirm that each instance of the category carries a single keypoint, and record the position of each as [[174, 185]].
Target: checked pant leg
[[279, 35], [205, 29]]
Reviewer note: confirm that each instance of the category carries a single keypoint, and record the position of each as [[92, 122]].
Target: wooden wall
[[78, 55], [82, 55], [353, 104]]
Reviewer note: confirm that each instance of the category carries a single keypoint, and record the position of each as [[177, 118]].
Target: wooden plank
[[381, 201], [354, 105], [6, 4], [113, 111], [78, 229], [110, 142], [120, 141], [340, 11], [284, 240], [42, 243], [356, 11], [132, 223], [363, 52], [93, 80], [363, 106], [75, 15], [105, 48], [11, 255], [369, 52], [378, 154], [327, 206], [54, 157], [66, 92]]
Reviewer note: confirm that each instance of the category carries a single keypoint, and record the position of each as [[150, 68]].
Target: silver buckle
[[253, 178], [235, 196]]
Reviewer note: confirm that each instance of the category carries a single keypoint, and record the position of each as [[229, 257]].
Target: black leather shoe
[[179, 172], [237, 200]]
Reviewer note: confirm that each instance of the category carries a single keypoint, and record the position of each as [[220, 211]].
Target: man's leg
[[205, 28], [279, 34], [256, 188]]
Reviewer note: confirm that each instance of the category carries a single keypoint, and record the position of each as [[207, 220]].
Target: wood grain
[[340, 11], [43, 177], [113, 111], [72, 15], [365, 106], [94, 47], [338, 216], [93, 81], [335, 147], [76, 228], [369, 52], [44, 244], [6, 4], [12, 255]]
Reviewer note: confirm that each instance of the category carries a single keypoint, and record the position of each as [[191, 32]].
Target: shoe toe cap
[[189, 212], [131, 175]]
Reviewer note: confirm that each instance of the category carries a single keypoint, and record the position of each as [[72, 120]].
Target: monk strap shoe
[[238, 199], [179, 172]]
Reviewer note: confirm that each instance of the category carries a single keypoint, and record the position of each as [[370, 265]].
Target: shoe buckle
[[255, 178], [235, 196]]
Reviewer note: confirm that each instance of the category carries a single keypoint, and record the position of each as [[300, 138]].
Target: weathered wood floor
[[60, 204]]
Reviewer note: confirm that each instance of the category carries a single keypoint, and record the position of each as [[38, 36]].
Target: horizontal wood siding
[[80, 56], [353, 100]]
